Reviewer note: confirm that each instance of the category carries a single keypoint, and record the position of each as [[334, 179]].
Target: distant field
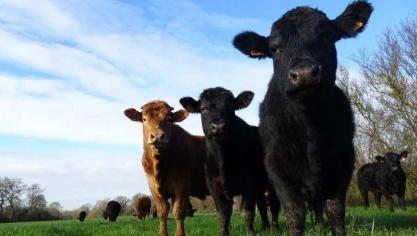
[[359, 222]]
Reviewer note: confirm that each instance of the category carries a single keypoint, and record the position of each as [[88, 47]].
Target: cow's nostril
[[213, 127], [152, 136], [162, 136], [293, 75], [315, 71]]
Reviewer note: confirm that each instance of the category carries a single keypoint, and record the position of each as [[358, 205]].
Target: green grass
[[359, 222]]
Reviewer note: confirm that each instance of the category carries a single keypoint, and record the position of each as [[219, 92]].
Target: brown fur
[[176, 170], [143, 207]]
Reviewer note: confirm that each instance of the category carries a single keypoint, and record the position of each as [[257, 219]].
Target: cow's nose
[[217, 128], [305, 75], [157, 137]]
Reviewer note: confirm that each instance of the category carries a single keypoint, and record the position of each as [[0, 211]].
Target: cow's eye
[[170, 119], [203, 109], [277, 51], [143, 119]]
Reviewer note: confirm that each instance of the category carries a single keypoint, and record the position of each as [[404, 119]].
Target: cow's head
[[302, 45], [217, 107], [157, 119], [392, 159]]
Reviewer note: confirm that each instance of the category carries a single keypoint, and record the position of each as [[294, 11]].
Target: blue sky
[[68, 69]]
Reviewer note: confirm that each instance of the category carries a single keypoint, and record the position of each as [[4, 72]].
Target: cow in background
[[383, 177]]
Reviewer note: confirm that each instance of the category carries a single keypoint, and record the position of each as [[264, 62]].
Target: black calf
[[234, 162], [384, 177]]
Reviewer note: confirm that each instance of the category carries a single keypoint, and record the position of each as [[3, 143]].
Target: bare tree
[[98, 208], [384, 98], [35, 198], [124, 202], [2, 195], [13, 190]]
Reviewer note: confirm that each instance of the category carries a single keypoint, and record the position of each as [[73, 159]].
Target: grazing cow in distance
[[82, 215], [189, 209], [306, 121], [172, 159], [234, 160], [384, 177], [112, 211], [143, 207]]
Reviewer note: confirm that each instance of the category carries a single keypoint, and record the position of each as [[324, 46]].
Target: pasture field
[[359, 222]]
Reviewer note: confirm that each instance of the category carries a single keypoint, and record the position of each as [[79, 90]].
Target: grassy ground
[[359, 222]]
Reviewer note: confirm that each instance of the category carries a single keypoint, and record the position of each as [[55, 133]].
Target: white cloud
[[129, 68], [78, 177], [90, 61]]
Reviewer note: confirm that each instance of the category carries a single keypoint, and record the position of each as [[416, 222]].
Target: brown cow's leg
[[179, 212], [335, 209], [162, 211]]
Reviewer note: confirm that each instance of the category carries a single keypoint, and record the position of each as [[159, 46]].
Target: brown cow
[[172, 159], [142, 207]]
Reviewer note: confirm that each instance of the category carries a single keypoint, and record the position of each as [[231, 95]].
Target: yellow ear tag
[[358, 25], [255, 53]]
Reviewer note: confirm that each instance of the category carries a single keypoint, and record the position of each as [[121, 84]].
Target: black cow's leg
[[263, 209], [378, 196], [365, 197], [318, 213], [401, 202], [390, 202], [335, 209], [248, 211], [295, 212], [274, 206], [293, 205], [224, 207]]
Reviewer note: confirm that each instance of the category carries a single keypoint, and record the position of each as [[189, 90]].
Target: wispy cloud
[[70, 68], [104, 68]]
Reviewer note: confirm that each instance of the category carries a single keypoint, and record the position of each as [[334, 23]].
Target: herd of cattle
[[302, 154]]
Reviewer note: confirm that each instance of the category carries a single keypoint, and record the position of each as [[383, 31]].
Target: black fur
[[112, 211], [82, 215], [306, 126], [384, 177], [234, 161]]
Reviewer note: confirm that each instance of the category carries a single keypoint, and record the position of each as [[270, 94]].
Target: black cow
[[82, 215], [234, 160], [112, 211], [306, 121], [384, 177]]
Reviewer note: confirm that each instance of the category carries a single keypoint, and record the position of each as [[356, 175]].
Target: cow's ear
[[403, 155], [180, 115], [243, 99], [133, 114], [190, 104], [379, 158], [353, 20], [252, 44]]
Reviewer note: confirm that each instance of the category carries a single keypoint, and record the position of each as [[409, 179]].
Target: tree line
[[22, 202]]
